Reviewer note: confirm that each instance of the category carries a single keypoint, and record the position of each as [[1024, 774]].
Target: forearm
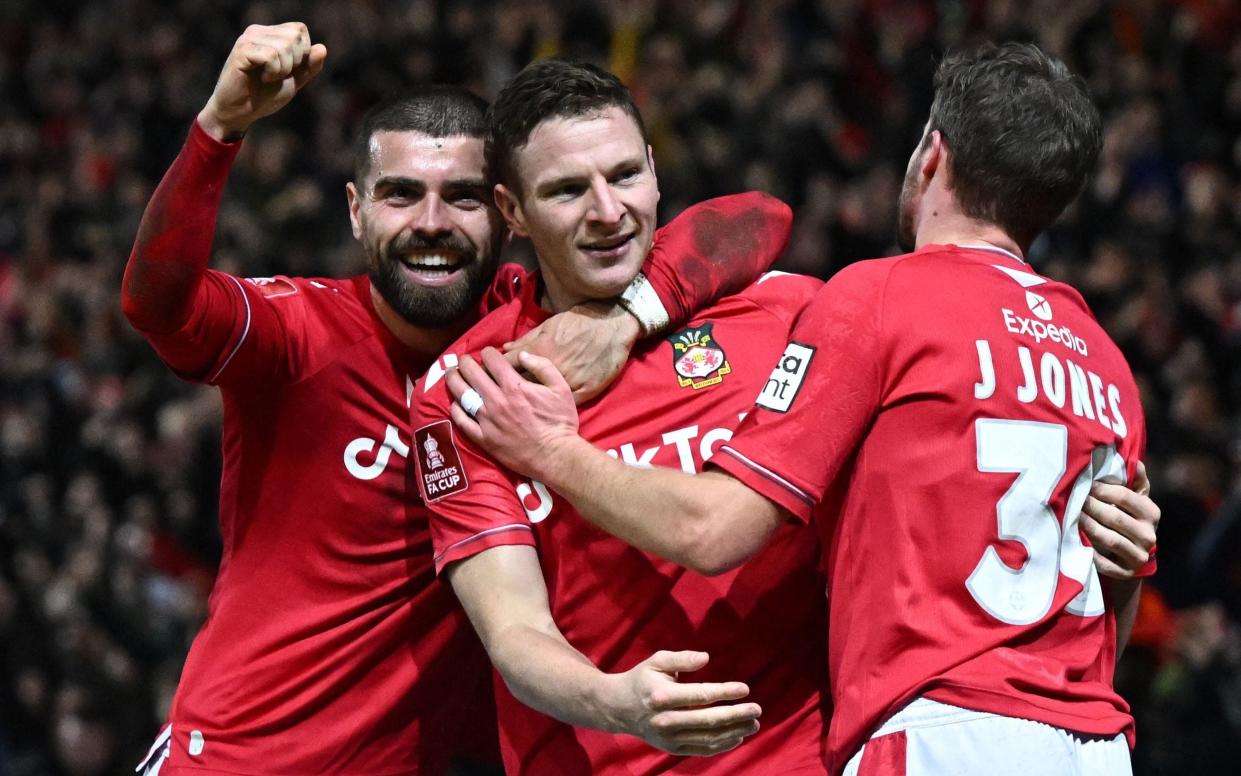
[[546, 673], [173, 246], [703, 522], [1126, 595], [503, 593]]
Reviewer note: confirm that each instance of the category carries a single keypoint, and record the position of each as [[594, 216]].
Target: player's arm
[[719, 522], [503, 592], [714, 521], [165, 277], [1125, 595], [712, 249], [589, 343], [1121, 524]]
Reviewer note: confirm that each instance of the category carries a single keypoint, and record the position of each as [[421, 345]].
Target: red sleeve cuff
[[211, 146], [1149, 568], [500, 536], [765, 482]]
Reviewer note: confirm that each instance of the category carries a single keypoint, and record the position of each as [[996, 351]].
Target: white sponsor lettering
[[1039, 331], [391, 444], [692, 451], [441, 481], [786, 379], [538, 510]]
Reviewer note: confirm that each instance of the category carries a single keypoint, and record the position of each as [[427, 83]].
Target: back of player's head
[[1022, 133], [437, 111], [543, 90]]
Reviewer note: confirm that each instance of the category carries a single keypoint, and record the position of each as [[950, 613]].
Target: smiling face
[[587, 202], [427, 224]]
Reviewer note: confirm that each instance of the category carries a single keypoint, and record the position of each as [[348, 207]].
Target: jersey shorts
[[928, 738]]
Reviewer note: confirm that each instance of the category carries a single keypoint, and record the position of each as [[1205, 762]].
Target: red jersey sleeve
[[473, 501], [256, 331], [715, 248], [822, 394], [166, 278]]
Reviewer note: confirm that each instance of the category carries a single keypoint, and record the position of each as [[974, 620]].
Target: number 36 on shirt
[[1038, 453]]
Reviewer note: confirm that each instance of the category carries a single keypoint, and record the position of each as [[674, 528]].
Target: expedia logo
[[786, 379], [1039, 305], [1039, 331]]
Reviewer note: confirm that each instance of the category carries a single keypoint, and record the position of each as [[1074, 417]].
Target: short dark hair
[[547, 89], [1022, 132], [438, 111]]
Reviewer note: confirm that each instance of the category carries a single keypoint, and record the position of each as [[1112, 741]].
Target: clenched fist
[[267, 66]]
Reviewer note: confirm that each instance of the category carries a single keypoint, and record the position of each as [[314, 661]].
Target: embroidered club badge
[[697, 357]]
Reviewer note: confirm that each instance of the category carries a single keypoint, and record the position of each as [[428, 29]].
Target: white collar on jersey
[[995, 249]]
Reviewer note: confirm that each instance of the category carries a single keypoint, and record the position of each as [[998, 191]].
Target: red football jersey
[[675, 403], [950, 409], [329, 645]]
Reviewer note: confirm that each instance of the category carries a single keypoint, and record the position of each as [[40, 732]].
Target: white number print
[[1037, 453]]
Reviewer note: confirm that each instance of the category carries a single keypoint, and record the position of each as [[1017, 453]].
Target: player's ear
[[355, 204], [933, 156], [510, 207]]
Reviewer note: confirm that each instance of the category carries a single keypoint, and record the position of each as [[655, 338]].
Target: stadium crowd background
[[109, 466]]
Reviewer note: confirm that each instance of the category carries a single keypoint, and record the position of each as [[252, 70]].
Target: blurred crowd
[[109, 466]]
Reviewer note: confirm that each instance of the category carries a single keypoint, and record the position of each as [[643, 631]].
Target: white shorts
[[928, 738], [157, 754]]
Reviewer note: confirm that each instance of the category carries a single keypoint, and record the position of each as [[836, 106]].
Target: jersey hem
[[1023, 707]]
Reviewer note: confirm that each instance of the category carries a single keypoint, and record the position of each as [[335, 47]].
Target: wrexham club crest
[[698, 358]]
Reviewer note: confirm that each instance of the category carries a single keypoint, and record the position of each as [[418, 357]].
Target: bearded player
[[945, 416], [329, 646]]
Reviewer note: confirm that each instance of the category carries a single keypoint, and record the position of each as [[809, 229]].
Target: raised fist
[[267, 66]]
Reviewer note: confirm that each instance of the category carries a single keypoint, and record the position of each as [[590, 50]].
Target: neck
[[426, 339], [555, 298], [948, 226]]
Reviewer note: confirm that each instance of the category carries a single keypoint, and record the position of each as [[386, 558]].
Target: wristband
[[640, 300]]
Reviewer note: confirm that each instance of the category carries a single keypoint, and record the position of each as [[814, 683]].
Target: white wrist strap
[[643, 303]]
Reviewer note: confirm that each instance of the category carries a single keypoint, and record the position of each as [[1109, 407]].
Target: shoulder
[[870, 278], [431, 397], [776, 286], [315, 317], [321, 298], [782, 294]]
